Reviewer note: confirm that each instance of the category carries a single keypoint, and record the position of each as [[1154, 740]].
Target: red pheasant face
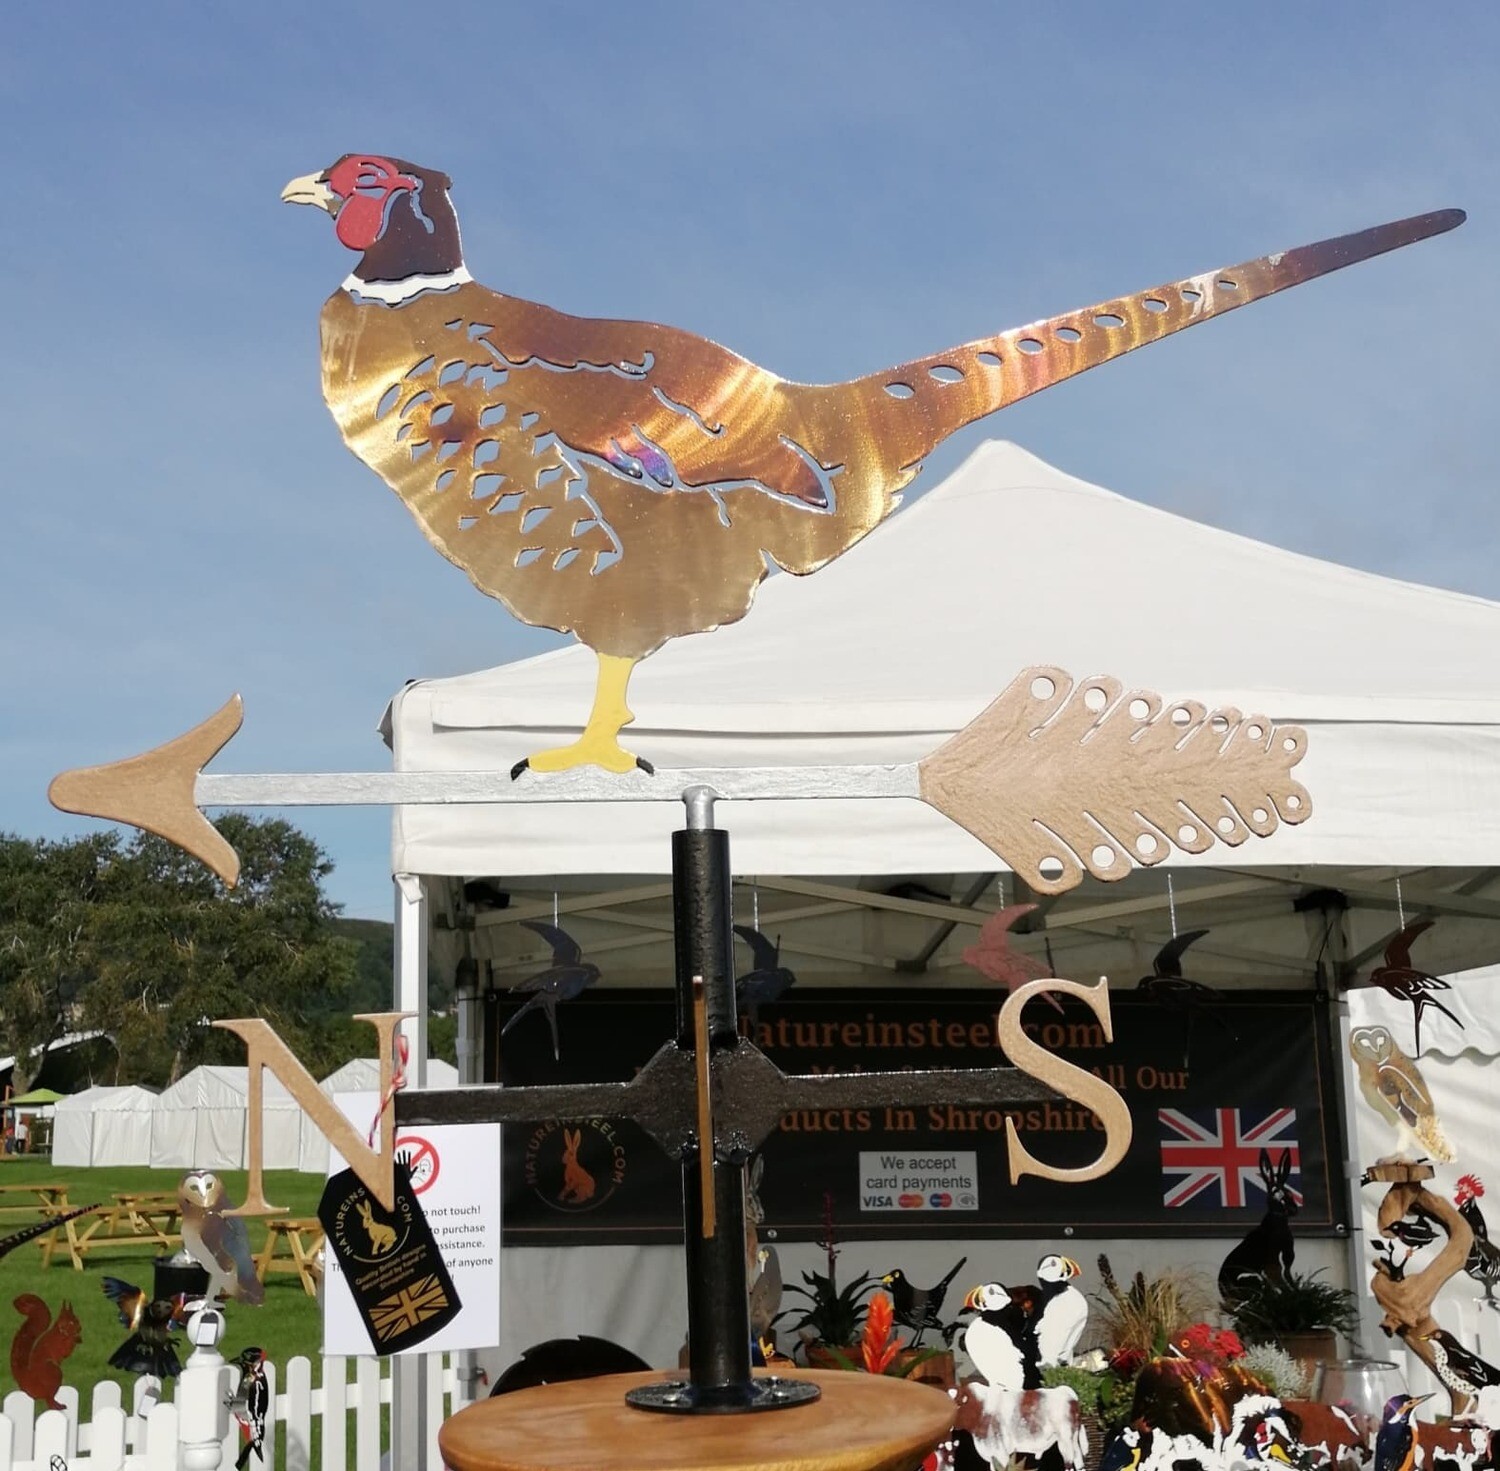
[[393, 212], [366, 188]]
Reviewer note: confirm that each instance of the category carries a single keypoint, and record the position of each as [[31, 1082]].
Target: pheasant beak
[[311, 189]]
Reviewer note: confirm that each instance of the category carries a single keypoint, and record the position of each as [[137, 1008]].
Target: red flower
[[878, 1346], [1125, 1361], [1227, 1344]]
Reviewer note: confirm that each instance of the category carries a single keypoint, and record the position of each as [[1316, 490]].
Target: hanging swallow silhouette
[[1399, 978], [568, 977], [768, 980], [991, 954], [1167, 986]]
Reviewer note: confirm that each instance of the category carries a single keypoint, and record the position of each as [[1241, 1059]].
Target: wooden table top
[[863, 1422]]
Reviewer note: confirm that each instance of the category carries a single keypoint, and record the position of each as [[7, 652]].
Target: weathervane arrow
[[1056, 777]]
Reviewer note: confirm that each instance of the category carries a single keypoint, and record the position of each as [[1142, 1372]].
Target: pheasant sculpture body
[[627, 482]]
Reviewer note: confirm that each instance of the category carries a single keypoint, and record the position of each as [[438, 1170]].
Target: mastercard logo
[[911, 1202]]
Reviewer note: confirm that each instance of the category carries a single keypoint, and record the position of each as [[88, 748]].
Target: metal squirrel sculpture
[[1268, 1251], [41, 1344]]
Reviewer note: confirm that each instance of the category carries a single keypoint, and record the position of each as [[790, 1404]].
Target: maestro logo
[[576, 1165]]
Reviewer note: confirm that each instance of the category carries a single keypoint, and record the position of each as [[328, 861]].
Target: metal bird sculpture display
[[248, 1405], [767, 980], [1171, 990], [1483, 1261], [1399, 978], [567, 978], [921, 1308], [1394, 1087], [994, 958], [151, 1324], [1397, 1439], [628, 482], [218, 1242]]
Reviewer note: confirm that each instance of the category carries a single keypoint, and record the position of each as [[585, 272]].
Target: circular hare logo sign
[[575, 1165]]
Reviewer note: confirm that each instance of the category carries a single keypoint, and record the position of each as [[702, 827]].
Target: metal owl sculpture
[[629, 483]]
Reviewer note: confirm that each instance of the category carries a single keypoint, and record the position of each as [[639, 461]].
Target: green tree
[[136, 939], [47, 894]]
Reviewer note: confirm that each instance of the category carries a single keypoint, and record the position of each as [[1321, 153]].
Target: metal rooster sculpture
[[628, 482]]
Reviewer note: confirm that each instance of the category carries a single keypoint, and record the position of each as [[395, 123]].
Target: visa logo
[[876, 1203], [940, 1202], [912, 1202]]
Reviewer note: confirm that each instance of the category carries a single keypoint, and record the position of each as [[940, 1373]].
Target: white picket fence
[[146, 1437]]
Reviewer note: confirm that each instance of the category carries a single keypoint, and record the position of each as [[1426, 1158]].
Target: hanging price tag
[[390, 1261]]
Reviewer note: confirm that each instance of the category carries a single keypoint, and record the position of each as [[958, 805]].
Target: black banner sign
[[1252, 1072]]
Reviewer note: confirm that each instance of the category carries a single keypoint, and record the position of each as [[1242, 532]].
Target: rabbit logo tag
[[575, 1165], [389, 1259]]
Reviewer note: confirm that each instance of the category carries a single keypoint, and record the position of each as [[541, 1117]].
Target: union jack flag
[[1211, 1156]]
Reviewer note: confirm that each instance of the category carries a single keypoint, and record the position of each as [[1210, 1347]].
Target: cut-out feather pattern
[[1061, 778]]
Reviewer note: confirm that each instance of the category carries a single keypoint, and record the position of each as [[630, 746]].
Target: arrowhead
[[155, 790]]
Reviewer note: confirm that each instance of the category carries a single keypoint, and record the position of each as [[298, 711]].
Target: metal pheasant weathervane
[[630, 483]]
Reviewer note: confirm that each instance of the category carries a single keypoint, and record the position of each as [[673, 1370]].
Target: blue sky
[[825, 187]]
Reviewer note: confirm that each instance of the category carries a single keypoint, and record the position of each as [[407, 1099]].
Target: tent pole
[[470, 1071], [1332, 977], [413, 1440]]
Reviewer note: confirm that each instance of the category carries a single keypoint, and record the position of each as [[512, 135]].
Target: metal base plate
[[682, 1397]]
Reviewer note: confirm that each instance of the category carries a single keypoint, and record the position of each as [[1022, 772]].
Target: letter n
[[264, 1049]]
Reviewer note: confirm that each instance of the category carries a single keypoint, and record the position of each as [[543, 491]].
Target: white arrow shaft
[[587, 784]]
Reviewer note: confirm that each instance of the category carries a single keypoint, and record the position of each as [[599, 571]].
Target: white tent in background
[[359, 1075], [200, 1121], [103, 1126]]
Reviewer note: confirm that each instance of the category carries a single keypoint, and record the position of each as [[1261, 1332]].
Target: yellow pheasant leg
[[599, 745]]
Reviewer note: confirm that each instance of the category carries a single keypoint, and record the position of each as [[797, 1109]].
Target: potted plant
[[830, 1327], [1299, 1313]]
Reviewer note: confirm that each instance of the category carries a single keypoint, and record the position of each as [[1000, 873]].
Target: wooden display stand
[[1407, 1301], [862, 1422]]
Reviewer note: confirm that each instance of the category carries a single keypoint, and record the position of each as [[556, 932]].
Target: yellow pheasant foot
[[592, 748], [599, 745]]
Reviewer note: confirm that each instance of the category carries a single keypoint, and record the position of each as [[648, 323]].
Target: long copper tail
[[926, 400]]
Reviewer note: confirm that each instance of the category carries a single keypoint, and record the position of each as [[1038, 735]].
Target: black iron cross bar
[[747, 1097], [750, 1097]]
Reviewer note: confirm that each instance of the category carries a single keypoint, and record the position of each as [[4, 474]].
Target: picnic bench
[[37, 1198], [145, 1218], [302, 1240]]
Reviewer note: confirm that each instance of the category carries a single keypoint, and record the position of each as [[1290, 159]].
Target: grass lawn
[[287, 1324]]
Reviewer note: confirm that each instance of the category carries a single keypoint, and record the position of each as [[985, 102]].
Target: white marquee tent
[[103, 1126], [877, 659], [200, 1121]]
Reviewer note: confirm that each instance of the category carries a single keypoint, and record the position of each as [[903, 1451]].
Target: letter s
[[1072, 1082]]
